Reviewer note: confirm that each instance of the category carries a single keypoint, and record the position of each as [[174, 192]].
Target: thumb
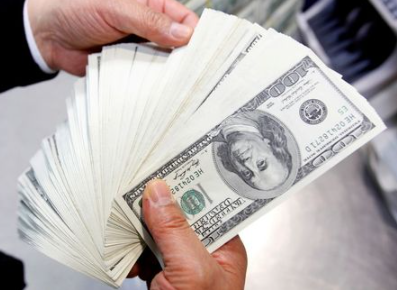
[[132, 17], [175, 239]]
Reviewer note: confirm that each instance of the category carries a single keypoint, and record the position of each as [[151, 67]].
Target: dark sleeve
[[12, 272], [18, 67]]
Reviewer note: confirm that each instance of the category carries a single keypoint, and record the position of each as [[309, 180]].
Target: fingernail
[[180, 31], [158, 192]]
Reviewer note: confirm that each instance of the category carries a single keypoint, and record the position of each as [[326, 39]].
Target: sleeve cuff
[[34, 50]]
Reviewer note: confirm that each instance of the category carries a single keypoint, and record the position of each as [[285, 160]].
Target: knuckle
[[154, 20], [192, 277], [200, 277], [173, 220]]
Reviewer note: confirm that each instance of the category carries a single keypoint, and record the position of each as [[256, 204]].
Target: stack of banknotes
[[235, 122]]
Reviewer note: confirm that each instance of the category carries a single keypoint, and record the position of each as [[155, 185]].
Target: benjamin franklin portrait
[[256, 155]]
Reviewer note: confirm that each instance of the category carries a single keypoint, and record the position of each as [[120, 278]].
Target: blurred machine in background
[[352, 38], [357, 38]]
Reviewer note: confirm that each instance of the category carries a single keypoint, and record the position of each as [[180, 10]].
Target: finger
[[131, 17], [134, 271], [232, 256], [174, 9], [180, 13], [169, 228]]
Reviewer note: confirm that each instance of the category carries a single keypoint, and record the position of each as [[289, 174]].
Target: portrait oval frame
[[237, 184]]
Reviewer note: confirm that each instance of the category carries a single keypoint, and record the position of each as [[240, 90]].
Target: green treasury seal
[[192, 202]]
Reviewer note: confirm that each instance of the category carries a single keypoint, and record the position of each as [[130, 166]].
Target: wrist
[[39, 42]]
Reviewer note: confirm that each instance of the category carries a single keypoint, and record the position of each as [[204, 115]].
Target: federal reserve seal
[[313, 111], [192, 202]]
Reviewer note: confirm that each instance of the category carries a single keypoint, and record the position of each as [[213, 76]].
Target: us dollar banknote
[[295, 129]]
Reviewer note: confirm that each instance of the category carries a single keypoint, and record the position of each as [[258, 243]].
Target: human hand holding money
[[188, 265], [235, 122], [66, 32]]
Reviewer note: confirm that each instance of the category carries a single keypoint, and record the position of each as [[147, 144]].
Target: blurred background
[[338, 233]]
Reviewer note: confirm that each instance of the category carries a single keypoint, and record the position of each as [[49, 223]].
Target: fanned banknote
[[235, 122]]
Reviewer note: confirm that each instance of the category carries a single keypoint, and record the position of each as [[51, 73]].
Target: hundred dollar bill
[[295, 129]]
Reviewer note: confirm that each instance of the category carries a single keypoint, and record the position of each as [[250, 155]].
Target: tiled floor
[[335, 234]]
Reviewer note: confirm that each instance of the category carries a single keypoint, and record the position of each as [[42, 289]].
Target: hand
[[67, 31], [188, 265]]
